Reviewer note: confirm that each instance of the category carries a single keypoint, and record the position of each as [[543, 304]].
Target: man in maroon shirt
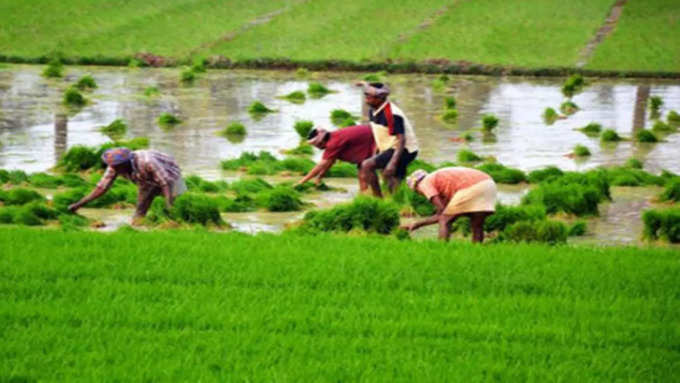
[[353, 144]]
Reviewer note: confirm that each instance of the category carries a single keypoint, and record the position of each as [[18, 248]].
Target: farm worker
[[155, 174], [353, 144], [455, 192], [396, 143]]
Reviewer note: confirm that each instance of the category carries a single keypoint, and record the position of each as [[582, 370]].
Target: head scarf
[[316, 136], [376, 89], [416, 177], [117, 156]]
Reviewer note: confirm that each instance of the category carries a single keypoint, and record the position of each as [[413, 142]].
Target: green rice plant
[[196, 208], [592, 129], [40, 210], [20, 196], [241, 204], [467, 156], [570, 198], [416, 202], [581, 151], [187, 76], [303, 127], [655, 103], [27, 217], [115, 129], [14, 177], [72, 221], [450, 116], [662, 224], [4, 176], [573, 85], [634, 163], [348, 122], [195, 183], [489, 122], [547, 231], [673, 118], [578, 229], [662, 127], [376, 77], [420, 164], [297, 164], [243, 161], [247, 186], [234, 129], [339, 116], [302, 72], [7, 214], [610, 135], [73, 97], [569, 107], [449, 102], [167, 120], [502, 174], [86, 83], [505, 216], [550, 116], [671, 191], [44, 180], [541, 175], [317, 90], [363, 213], [79, 158], [646, 136], [198, 66], [280, 198], [343, 170], [258, 108], [151, 91], [54, 69], [296, 97], [304, 149]]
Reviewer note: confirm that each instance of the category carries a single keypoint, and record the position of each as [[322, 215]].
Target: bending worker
[[455, 192], [353, 144], [394, 137], [155, 174]]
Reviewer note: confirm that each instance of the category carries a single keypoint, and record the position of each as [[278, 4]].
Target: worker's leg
[[445, 222], [477, 223], [405, 159], [145, 197], [363, 186], [368, 177]]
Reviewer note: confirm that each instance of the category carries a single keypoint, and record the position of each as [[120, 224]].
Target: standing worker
[[353, 144], [394, 137], [155, 174], [455, 192]]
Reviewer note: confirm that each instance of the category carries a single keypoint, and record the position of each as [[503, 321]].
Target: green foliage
[[296, 97], [280, 198], [196, 183], [234, 129], [655, 103], [581, 151], [342, 170], [258, 108], [86, 82], [266, 164], [673, 117], [44, 180], [242, 203], [151, 91], [7, 214], [610, 135], [117, 128], [671, 191], [246, 186], [54, 69], [550, 116], [317, 90], [662, 224], [578, 229], [592, 129], [568, 107], [450, 102], [502, 174], [364, 213], [73, 97], [198, 67], [645, 135], [168, 119], [418, 203], [196, 208], [79, 158], [303, 127], [27, 217], [508, 215], [634, 163], [187, 76], [40, 210], [573, 85], [662, 127], [577, 195], [304, 149], [552, 232], [340, 116], [489, 122], [20, 196], [450, 116], [541, 175], [14, 177], [467, 156]]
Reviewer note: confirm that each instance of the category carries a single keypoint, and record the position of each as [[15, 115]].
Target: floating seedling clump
[[655, 103], [86, 83], [572, 193], [44, 180], [73, 97], [339, 116], [634, 163], [662, 224], [187, 76], [581, 151], [317, 90], [466, 156], [151, 91], [610, 135], [258, 108], [168, 120], [662, 127], [19, 196], [303, 128], [234, 129], [54, 69], [592, 129], [449, 102], [573, 85], [297, 97], [671, 191], [673, 118], [280, 199], [450, 116], [196, 208], [568, 108], [577, 229], [115, 129], [646, 136], [304, 149], [550, 116], [489, 122]]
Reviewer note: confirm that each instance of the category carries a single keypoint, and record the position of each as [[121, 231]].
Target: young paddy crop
[[193, 305]]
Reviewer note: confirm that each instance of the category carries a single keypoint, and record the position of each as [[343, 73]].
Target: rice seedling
[[449, 102], [502, 174], [73, 97], [364, 214], [610, 135], [20, 196], [547, 231], [343, 170], [416, 202], [671, 191], [569, 107], [646, 136], [317, 90], [673, 118], [662, 127], [72, 221], [303, 127], [258, 108], [296, 97], [44, 180], [235, 129], [662, 224], [196, 208], [541, 175], [550, 116], [572, 193], [14, 177], [302, 72], [115, 129], [634, 163], [581, 151], [54, 69], [450, 116], [339, 116], [79, 158], [577, 229], [466, 156], [247, 186], [86, 82], [489, 122], [168, 120], [187, 76], [279, 199], [347, 122], [376, 77], [592, 129], [655, 103], [304, 149], [573, 85], [198, 66], [151, 91]]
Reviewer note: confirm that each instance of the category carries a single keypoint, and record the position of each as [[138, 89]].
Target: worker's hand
[[317, 182], [73, 207], [390, 170], [408, 227]]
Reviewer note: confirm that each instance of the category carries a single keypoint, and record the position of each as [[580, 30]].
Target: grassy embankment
[[205, 306], [540, 35]]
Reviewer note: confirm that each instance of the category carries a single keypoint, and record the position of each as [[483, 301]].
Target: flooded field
[[35, 128]]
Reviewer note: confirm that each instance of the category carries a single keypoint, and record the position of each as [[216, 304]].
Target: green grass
[[199, 306], [646, 38]]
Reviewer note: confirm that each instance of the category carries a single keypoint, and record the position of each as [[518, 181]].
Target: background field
[[190, 306], [528, 33]]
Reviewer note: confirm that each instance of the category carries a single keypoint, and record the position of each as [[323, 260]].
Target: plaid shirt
[[149, 169]]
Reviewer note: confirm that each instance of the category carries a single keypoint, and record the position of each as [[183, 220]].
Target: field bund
[[200, 306]]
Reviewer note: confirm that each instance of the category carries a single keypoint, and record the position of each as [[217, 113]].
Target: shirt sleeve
[[107, 179], [426, 186], [398, 125]]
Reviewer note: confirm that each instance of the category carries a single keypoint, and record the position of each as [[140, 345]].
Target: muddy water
[[35, 129]]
